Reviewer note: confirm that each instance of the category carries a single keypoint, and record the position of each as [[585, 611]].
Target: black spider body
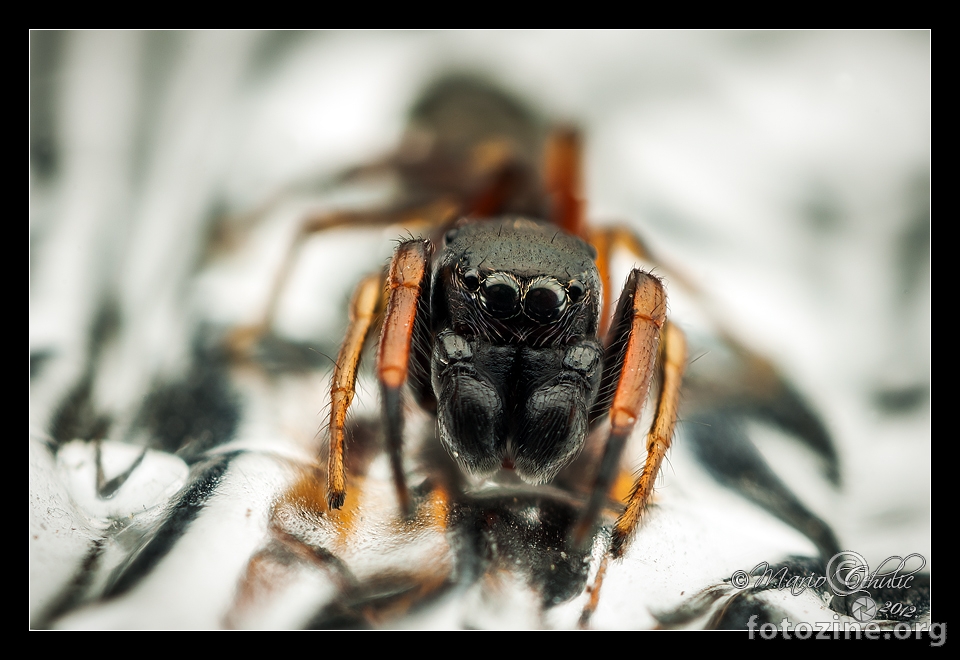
[[516, 363]]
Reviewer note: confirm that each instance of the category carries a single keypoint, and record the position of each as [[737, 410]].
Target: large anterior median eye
[[545, 300], [500, 295]]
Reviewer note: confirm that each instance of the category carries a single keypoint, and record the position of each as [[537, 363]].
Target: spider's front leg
[[406, 279], [634, 351], [407, 305]]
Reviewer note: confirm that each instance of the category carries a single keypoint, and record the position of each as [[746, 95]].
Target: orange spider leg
[[759, 381], [411, 219], [606, 241], [363, 312], [672, 362], [641, 314], [438, 212], [409, 274]]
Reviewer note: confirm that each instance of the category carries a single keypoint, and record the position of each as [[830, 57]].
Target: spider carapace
[[498, 321]]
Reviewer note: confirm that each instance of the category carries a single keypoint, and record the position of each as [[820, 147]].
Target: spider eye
[[470, 279], [545, 301], [500, 295], [575, 290]]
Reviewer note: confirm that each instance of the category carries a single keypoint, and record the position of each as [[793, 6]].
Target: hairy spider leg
[[364, 309], [671, 363], [759, 386], [408, 277], [763, 379], [632, 352]]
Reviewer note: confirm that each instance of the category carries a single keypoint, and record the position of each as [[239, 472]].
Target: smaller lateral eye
[[575, 290], [470, 279]]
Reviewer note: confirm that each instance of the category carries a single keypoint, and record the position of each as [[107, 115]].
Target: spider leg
[[438, 213], [363, 313], [406, 285], [606, 241], [562, 180], [752, 383], [499, 181], [671, 363], [630, 360]]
